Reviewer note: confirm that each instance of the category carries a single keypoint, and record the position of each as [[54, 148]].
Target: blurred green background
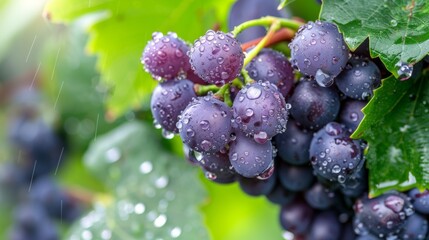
[[83, 56]]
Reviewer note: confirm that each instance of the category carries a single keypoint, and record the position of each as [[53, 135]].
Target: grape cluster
[[27, 181], [281, 129]]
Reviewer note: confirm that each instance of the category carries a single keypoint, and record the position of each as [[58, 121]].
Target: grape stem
[[267, 21], [227, 97], [221, 92], [247, 78], [202, 90]]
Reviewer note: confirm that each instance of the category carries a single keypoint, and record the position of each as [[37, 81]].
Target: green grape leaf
[[154, 195], [398, 30], [119, 31], [397, 130]]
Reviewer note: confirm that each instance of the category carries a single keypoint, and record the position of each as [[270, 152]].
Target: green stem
[[266, 21], [227, 97], [221, 92], [247, 78], [252, 54], [237, 83], [201, 90]]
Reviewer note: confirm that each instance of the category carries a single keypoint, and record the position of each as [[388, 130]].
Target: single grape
[[273, 66], [168, 100], [325, 226], [205, 124], [57, 203], [384, 216], [348, 232], [314, 106], [257, 187], [351, 114], [217, 165], [280, 195], [216, 57], [318, 51], [320, 197], [416, 227], [359, 78], [420, 200], [295, 178], [164, 57], [296, 217], [260, 111], [193, 77], [244, 10], [249, 158], [334, 155], [293, 144]]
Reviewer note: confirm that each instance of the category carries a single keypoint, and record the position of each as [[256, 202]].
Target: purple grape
[[325, 226], [280, 195], [320, 197], [216, 57], [217, 165], [416, 227], [244, 10], [164, 57], [334, 155], [257, 187], [318, 51], [295, 178], [420, 200], [270, 65], [314, 106], [293, 144], [296, 216], [205, 124], [168, 100], [249, 158], [385, 215], [351, 114], [359, 78], [259, 110]]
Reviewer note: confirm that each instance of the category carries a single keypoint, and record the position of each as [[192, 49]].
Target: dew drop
[[253, 93], [204, 124], [336, 168], [393, 23], [167, 134], [323, 79], [206, 145], [404, 70]]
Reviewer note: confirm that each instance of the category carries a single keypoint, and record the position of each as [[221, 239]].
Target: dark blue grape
[[366, 237], [57, 203], [359, 78], [42, 149], [280, 195], [348, 232], [164, 57], [259, 110], [320, 197], [296, 216], [325, 226], [244, 10], [356, 185], [295, 178], [221, 179], [334, 155], [168, 100], [293, 144], [318, 51], [257, 187], [385, 215], [216, 57], [420, 200], [249, 158], [12, 181], [205, 124], [270, 65], [314, 106], [351, 114], [217, 165], [416, 227]]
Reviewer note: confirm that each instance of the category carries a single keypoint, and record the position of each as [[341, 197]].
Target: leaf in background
[[155, 195], [398, 30], [396, 127], [120, 30]]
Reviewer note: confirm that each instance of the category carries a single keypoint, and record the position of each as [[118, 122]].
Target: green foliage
[[398, 30], [120, 30], [396, 128], [154, 194]]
